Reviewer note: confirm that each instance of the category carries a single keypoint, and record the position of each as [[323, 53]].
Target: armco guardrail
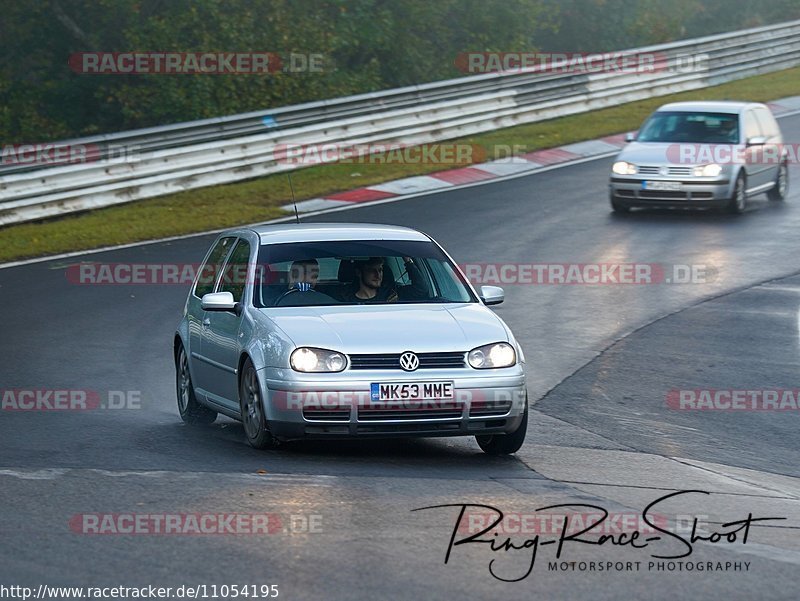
[[151, 162]]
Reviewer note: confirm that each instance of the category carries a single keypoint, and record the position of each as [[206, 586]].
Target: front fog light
[[335, 362], [477, 358]]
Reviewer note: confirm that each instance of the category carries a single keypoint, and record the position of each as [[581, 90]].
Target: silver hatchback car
[[701, 155], [346, 330]]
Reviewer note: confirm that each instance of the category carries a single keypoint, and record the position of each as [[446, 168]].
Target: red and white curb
[[479, 172], [552, 158]]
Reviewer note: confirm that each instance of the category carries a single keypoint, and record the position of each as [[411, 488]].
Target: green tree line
[[366, 45]]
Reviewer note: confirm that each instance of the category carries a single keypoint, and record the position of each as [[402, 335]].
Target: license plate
[[674, 186], [411, 391]]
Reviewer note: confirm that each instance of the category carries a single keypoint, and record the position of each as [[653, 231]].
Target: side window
[[398, 269], [768, 124], [210, 269], [235, 275], [448, 280], [751, 126]]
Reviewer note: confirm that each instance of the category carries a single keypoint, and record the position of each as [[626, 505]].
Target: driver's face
[[372, 275], [305, 273]]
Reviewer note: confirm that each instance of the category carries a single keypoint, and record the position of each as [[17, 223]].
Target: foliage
[[367, 45]]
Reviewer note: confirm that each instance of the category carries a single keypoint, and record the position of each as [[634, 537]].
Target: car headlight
[[623, 168], [307, 359], [488, 356], [712, 170]]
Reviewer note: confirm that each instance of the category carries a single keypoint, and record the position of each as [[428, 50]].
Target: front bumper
[[321, 408], [705, 193]]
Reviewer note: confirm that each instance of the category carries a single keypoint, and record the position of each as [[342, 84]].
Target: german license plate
[[672, 186], [411, 391]]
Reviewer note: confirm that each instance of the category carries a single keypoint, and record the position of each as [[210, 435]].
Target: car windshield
[[356, 272], [700, 128]]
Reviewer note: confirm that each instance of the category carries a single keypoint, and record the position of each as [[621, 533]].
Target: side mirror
[[492, 295], [757, 141], [630, 136], [218, 301]]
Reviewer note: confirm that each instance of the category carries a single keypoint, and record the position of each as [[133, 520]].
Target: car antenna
[[294, 202]]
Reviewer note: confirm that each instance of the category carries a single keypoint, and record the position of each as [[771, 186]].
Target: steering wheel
[[319, 297], [284, 295]]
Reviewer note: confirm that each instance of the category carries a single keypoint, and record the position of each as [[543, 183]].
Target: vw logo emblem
[[664, 170], [409, 361]]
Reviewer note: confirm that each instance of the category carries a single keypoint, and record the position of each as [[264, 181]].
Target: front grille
[[392, 361], [413, 410], [655, 170], [489, 408]]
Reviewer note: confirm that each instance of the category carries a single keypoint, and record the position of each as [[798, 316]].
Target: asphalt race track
[[604, 362]]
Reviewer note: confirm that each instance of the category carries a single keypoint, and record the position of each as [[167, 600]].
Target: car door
[[773, 145], [206, 282], [755, 167], [221, 344]]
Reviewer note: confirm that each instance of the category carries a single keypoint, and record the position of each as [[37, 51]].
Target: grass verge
[[261, 199]]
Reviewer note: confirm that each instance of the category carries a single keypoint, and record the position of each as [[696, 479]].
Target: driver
[[370, 287], [729, 131], [304, 275]]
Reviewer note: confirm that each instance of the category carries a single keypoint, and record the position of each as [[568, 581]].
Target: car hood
[[390, 328], [649, 153]]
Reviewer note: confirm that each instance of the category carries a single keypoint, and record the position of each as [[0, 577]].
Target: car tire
[[738, 202], [192, 412], [505, 444], [619, 207], [781, 187], [256, 427]]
